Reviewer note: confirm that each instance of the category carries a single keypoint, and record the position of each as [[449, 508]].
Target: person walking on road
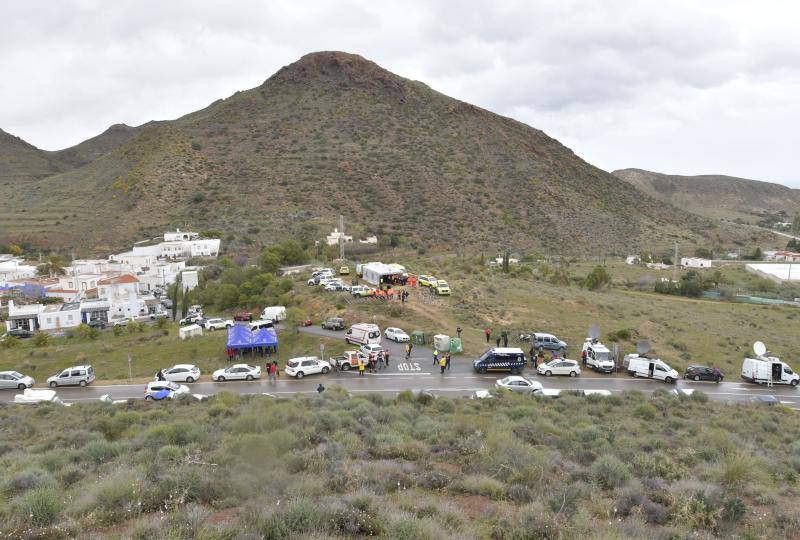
[[273, 371], [361, 367], [447, 361], [320, 388], [532, 352], [442, 364], [408, 350], [497, 341], [488, 333], [435, 356], [458, 332]]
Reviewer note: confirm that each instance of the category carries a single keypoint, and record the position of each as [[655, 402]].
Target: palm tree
[[53, 266]]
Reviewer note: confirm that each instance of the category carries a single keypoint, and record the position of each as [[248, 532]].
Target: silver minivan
[[72, 376]]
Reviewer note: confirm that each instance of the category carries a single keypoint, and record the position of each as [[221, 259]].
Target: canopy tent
[[266, 337], [378, 273], [239, 337]]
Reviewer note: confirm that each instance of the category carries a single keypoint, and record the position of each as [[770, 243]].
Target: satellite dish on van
[[642, 347], [759, 348], [594, 332]]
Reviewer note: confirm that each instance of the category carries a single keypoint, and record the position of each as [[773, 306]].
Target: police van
[[500, 359]]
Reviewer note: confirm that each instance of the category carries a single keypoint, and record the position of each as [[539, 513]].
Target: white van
[[650, 368], [274, 313], [258, 325], [768, 369], [598, 357], [363, 334]]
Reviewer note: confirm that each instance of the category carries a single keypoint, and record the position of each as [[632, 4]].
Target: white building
[[333, 238], [24, 317], [368, 240], [633, 259], [159, 276], [189, 279], [59, 316], [180, 235], [12, 268], [122, 294], [695, 262], [778, 272]]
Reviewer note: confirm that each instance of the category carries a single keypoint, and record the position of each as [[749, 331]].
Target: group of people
[[375, 361], [502, 337], [537, 356], [442, 360]]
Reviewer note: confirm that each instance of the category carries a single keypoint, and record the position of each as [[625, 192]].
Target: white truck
[[597, 355], [649, 368], [274, 313], [769, 370], [363, 334]]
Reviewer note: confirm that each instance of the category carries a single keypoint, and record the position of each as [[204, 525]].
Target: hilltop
[[716, 196], [334, 134]]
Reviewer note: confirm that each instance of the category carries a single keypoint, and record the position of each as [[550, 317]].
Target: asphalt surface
[[419, 373]]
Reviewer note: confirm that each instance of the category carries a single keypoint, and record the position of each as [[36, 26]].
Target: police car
[[500, 359]]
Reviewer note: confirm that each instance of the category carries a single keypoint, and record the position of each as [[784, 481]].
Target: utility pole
[[675, 263], [341, 237]]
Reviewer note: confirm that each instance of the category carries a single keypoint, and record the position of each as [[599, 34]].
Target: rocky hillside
[[336, 134], [716, 196]]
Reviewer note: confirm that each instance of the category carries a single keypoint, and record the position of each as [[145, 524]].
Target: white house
[[189, 279], [633, 259], [179, 235], [122, 294], [59, 316], [333, 238], [12, 268], [695, 262], [24, 317], [368, 240]]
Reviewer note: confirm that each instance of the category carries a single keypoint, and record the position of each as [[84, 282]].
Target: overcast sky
[[684, 87]]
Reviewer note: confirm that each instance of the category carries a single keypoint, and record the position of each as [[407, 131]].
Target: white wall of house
[[189, 279], [56, 319], [695, 262]]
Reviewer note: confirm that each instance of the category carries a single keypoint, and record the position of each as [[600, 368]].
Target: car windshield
[[173, 386], [601, 356], [16, 374]]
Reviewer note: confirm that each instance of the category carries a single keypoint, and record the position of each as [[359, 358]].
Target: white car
[[334, 285], [396, 335], [218, 324], [182, 373], [158, 390], [15, 379], [237, 372], [516, 383], [121, 322], [559, 366], [370, 348], [306, 365]]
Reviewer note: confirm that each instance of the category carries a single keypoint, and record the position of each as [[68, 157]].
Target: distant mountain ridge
[[334, 134], [716, 196]]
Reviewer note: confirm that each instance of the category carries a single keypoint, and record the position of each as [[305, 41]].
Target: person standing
[[273, 371], [386, 358], [408, 350], [320, 388], [583, 357], [442, 364], [458, 332], [504, 334], [435, 356], [532, 352], [497, 341], [447, 361], [540, 356], [361, 367], [488, 333]]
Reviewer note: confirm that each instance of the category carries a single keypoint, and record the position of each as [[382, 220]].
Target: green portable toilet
[[455, 345], [418, 337]]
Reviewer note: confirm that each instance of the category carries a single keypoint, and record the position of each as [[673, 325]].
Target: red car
[[243, 316], [307, 322]]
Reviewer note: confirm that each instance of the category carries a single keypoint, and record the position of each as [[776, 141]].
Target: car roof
[[242, 365], [183, 366], [516, 378], [301, 358], [86, 366], [507, 350]]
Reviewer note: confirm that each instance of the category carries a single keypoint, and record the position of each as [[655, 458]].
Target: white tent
[[374, 271], [190, 331]]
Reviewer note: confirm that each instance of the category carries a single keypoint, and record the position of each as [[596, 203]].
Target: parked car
[[217, 324], [97, 323], [181, 373], [703, 373], [243, 316], [20, 333], [548, 342], [370, 348], [334, 286], [344, 271], [560, 366], [442, 288], [72, 376], [32, 396], [363, 334], [167, 303], [158, 315], [306, 365], [15, 379], [121, 322], [598, 357], [333, 323], [362, 290], [195, 318], [515, 383], [158, 390], [500, 359], [651, 368], [307, 322], [237, 372], [426, 281], [396, 335]]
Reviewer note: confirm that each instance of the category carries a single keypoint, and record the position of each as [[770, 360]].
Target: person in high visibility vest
[[442, 364], [361, 367]]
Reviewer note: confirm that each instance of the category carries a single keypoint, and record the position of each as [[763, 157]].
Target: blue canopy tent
[[266, 337], [239, 338]]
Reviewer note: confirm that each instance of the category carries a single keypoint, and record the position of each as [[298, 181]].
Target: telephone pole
[[341, 237], [675, 263]]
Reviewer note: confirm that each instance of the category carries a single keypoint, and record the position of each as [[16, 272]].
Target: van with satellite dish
[[363, 334], [597, 355], [650, 368], [767, 369]]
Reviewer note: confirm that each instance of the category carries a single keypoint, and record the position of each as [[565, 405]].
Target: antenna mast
[[341, 236]]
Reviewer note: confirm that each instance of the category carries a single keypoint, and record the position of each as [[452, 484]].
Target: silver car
[[73, 376], [15, 379], [515, 383]]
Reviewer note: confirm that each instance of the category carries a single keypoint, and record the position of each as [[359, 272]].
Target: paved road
[[419, 373]]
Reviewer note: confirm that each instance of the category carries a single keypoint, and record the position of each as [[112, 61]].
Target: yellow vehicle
[[442, 288], [344, 271], [426, 281]]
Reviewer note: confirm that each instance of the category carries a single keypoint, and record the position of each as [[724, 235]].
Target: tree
[[703, 253], [14, 249], [176, 288], [184, 303], [53, 266], [757, 255], [394, 241], [597, 278], [505, 262], [717, 278], [796, 225]]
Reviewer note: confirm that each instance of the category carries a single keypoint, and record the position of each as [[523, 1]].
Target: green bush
[[40, 339], [610, 472], [40, 507], [645, 411]]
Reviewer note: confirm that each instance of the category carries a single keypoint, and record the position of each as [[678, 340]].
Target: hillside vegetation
[[336, 134], [716, 196], [627, 466]]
